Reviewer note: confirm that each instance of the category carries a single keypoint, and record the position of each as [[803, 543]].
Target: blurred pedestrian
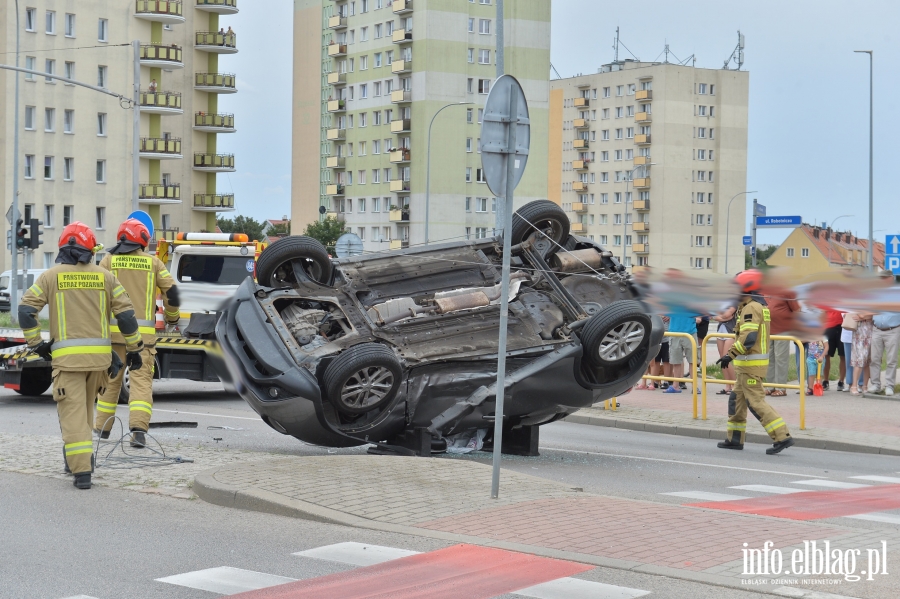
[[815, 354], [725, 324], [782, 309], [681, 348], [859, 357], [660, 364], [885, 344], [833, 319]]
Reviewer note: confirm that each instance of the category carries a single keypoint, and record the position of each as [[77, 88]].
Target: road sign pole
[[504, 291], [753, 234]]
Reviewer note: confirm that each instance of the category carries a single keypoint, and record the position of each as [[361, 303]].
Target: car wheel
[[548, 217], [34, 381], [276, 265], [125, 390], [616, 334], [363, 378]]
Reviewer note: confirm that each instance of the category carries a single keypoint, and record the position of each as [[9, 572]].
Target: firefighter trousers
[[140, 399], [749, 393], [74, 392]]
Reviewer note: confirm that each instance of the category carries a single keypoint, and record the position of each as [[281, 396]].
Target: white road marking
[[769, 489], [879, 479], [81, 597], [878, 517], [576, 588], [806, 593], [223, 416], [356, 554], [633, 457], [226, 580], [703, 495], [834, 484]]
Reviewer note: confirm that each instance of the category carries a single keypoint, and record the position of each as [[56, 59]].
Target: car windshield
[[218, 270], [4, 282]]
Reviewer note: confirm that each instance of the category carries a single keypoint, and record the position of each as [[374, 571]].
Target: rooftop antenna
[[738, 54], [667, 52], [558, 76], [616, 46]]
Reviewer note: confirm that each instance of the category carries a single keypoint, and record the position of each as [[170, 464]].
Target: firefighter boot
[[781, 445], [137, 438], [83, 481], [732, 443]]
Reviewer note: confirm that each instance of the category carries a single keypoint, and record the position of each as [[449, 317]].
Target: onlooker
[[726, 322], [885, 344], [152, 87], [680, 348], [702, 332], [847, 339], [859, 358], [832, 324], [782, 310], [815, 352], [660, 364]]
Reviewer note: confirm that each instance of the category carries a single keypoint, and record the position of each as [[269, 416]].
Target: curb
[[212, 491], [714, 433]]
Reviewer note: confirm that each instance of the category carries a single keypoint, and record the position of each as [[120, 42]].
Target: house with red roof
[[811, 249]]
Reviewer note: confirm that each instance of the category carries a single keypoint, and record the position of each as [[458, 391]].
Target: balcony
[[336, 162], [336, 134], [641, 227], [580, 144], [337, 79], [214, 202], [642, 117], [161, 11], [402, 7], [158, 193], [642, 139], [214, 163], [640, 248], [160, 149], [401, 96], [337, 105], [216, 83], [215, 42], [582, 103], [577, 228], [337, 49], [164, 57], [400, 156], [580, 123], [399, 244], [399, 215], [400, 126], [642, 205], [639, 160], [642, 183], [400, 186], [579, 207], [401, 67], [644, 95], [167, 234], [579, 186], [222, 7], [214, 123], [402, 36], [161, 103], [580, 165], [337, 22], [336, 190]]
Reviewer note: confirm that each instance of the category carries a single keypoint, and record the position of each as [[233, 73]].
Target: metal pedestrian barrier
[[801, 382], [692, 379]]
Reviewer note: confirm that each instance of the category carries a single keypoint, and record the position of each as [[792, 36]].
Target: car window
[[218, 270], [4, 282]]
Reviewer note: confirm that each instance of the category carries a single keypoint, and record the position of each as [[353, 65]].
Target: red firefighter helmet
[[134, 231], [79, 234], [750, 280]]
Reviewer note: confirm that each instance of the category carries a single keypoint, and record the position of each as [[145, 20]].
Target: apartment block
[[372, 76], [75, 152], [646, 157]]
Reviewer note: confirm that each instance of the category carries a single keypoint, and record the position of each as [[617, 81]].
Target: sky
[[809, 100]]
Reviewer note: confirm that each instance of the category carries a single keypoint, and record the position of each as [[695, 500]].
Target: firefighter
[[80, 297], [143, 276], [751, 361]]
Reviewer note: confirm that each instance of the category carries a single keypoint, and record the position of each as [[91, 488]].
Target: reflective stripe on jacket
[[143, 276]]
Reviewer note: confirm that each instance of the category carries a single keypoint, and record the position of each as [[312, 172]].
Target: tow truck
[[208, 268]]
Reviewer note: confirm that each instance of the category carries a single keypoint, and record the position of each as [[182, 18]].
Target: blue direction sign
[[748, 240], [778, 221], [760, 210], [892, 257]]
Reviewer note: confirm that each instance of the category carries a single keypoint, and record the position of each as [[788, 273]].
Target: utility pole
[[500, 216], [136, 145], [14, 279], [753, 232]]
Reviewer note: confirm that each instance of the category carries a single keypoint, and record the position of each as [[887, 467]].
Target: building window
[[480, 204], [101, 218], [804, 252], [620, 90], [70, 71], [48, 168], [29, 118], [29, 166], [101, 124], [48, 216], [790, 252], [480, 232], [101, 171], [102, 30], [701, 88], [484, 57], [484, 86], [471, 55], [479, 175], [699, 219], [68, 215], [101, 76], [51, 23], [50, 69], [471, 25], [49, 120], [68, 169], [484, 26], [468, 174], [619, 112], [70, 25], [30, 19], [468, 144], [31, 65]]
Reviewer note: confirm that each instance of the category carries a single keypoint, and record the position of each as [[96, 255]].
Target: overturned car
[[400, 349]]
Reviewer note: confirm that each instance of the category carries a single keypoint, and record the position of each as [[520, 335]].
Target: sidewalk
[[449, 500], [836, 421]]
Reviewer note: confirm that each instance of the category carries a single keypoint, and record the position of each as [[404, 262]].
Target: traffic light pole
[[14, 279]]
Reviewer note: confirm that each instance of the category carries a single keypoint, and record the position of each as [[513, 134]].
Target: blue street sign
[[760, 210], [892, 254], [748, 240], [778, 221]]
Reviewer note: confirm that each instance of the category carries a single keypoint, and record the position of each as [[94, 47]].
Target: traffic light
[[9, 240], [21, 233], [35, 241]]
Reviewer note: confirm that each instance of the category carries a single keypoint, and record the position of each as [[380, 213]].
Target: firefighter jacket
[[751, 346], [143, 277], [80, 298]]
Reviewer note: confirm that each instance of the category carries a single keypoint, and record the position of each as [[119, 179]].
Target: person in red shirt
[[832, 322]]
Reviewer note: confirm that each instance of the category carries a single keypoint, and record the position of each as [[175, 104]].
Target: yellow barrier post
[[693, 379]]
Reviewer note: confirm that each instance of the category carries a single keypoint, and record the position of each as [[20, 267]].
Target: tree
[[326, 231], [281, 229], [761, 257], [242, 224]]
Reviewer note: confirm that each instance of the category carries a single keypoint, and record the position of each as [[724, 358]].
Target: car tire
[[363, 378], [616, 334], [125, 389], [546, 216], [274, 268], [34, 381]]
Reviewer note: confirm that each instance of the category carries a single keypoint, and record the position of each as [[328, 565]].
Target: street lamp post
[[13, 250], [837, 218], [728, 224], [625, 213], [871, 169], [428, 166]]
